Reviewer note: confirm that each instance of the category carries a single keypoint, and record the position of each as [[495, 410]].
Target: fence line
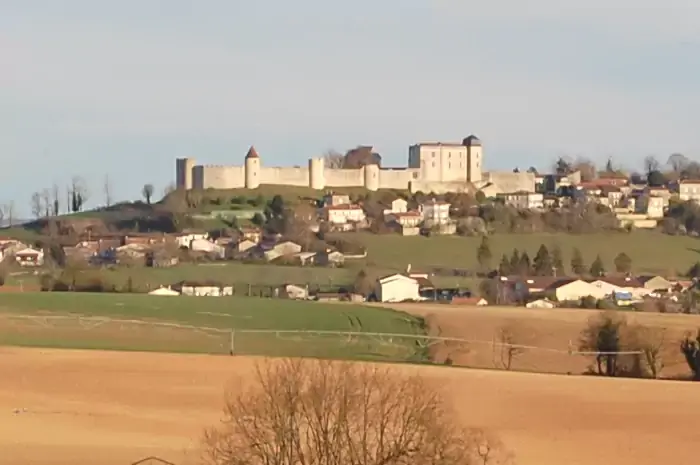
[[94, 322]]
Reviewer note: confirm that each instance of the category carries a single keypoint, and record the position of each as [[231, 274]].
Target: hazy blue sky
[[124, 87]]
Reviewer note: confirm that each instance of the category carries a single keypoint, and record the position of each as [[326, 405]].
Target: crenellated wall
[[437, 187], [397, 178], [511, 182], [218, 177], [344, 178], [290, 176]]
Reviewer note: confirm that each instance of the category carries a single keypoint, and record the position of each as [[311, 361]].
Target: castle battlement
[[432, 167]]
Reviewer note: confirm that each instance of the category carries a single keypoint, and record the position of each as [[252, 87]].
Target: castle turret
[[317, 175], [474, 158], [183, 173], [372, 177], [252, 169]]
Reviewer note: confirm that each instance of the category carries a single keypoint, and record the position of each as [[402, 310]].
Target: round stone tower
[[372, 177], [252, 169], [317, 175]]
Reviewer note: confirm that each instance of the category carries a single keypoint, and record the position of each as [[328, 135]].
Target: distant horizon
[[122, 89]]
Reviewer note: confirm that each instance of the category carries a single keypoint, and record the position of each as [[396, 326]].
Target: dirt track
[[90, 407]]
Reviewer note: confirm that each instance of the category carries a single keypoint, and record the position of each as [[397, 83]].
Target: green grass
[[651, 252], [224, 313]]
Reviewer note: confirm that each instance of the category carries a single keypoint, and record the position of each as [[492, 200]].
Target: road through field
[[112, 408]]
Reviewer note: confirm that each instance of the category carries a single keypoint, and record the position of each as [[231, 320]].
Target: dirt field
[[551, 330], [112, 408]]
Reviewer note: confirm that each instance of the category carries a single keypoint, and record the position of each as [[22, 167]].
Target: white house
[[205, 245], [331, 200], [523, 200], [397, 288], [397, 206], [29, 257], [407, 219], [185, 239], [341, 214], [435, 212], [689, 189]]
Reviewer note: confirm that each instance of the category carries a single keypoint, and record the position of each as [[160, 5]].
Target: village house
[[29, 257], [656, 283], [281, 249], [244, 245], [209, 247], [397, 206], [689, 190], [185, 239], [523, 200], [406, 219], [252, 234], [650, 205], [435, 212], [334, 200], [342, 214]]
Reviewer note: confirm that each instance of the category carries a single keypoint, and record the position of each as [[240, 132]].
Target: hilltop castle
[[432, 167]]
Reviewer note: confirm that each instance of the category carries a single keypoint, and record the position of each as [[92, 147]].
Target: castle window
[[433, 154], [449, 166], [433, 164]]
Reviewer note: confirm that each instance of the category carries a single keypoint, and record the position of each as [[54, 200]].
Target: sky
[[121, 89]]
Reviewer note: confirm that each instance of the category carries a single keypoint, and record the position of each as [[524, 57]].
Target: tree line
[[547, 262]]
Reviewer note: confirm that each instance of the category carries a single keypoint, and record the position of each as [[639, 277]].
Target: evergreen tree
[[597, 267], [515, 261], [578, 266], [504, 268], [484, 255], [542, 265], [524, 268], [694, 271], [558, 261], [623, 263]]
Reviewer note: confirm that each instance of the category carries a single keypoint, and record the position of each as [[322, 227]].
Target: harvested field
[[112, 408], [551, 333]]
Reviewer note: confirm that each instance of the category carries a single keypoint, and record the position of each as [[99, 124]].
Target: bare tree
[[651, 164], [36, 205], [78, 194], [107, 189], [56, 204], [333, 159], [678, 162], [168, 189], [651, 342], [586, 167], [147, 193], [510, 345], [338, 413], [9, 209], [46, 202]]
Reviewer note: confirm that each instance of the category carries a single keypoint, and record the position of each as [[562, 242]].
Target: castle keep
[[432, 167]]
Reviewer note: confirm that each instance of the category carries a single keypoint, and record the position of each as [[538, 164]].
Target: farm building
[[397, 288]]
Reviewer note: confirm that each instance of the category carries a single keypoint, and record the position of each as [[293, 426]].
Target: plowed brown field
[[113, 408]]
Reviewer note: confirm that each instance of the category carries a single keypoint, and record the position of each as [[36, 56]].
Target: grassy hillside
[[651, 252], [225, 313]]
